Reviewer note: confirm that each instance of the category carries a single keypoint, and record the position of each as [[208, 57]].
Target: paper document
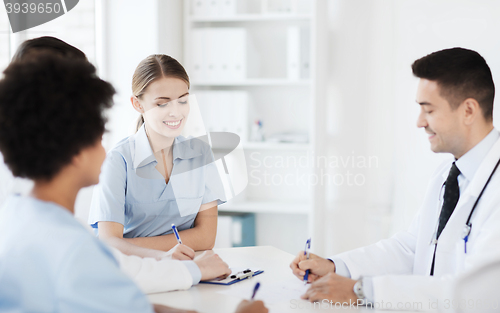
[[271, 293]]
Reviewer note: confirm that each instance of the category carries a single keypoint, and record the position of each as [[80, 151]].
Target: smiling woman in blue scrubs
[[157, 177]]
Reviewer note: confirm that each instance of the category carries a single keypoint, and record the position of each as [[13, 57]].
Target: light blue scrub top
[[133, 193], [50, 263]]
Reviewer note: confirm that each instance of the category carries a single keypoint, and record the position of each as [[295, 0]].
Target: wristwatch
[[358, 289]]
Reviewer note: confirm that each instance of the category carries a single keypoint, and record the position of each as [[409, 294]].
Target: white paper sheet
[[270, 293]]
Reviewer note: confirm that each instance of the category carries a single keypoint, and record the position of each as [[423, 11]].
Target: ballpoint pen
[[306, 252], [176, 233], [257, 285]]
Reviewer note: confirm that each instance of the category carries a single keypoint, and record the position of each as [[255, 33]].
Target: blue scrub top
[[133, 193], [49, 262]]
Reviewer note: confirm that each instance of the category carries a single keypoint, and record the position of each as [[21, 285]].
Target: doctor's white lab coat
[[151, 275], [400, 266], [154, 276]]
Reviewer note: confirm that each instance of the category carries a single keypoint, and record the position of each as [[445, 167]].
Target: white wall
[[359, 106], [422, 27], [131, 34]]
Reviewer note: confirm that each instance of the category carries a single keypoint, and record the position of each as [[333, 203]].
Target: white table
[[207, 298]]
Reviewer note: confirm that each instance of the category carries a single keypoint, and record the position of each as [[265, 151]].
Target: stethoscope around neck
[[468, 224]]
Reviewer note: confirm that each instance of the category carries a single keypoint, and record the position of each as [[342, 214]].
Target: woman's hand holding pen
[[317, 266], [179, 252], [210, 264]]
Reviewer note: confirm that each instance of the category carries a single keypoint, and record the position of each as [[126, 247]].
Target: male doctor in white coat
[[417, 268]]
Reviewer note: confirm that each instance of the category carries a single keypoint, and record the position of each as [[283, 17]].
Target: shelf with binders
[[283, 114], [276, 182], [264, 52], [249, 56]]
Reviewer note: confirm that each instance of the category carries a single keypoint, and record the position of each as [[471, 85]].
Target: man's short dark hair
[[460, 74], [30, 48], [50, 109]]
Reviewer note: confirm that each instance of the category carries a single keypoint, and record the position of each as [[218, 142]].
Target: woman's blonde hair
[[152, 68]]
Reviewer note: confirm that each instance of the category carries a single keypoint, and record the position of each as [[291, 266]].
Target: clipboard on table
[[237, 275]]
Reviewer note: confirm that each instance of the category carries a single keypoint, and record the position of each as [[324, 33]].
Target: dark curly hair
[[30, 48], [50, 109]]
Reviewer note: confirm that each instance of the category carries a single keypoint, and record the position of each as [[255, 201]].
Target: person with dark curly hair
[[29, 49], [51, 125]]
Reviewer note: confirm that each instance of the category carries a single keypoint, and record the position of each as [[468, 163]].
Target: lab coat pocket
[[188, 206], [460, 256], [446, 254]]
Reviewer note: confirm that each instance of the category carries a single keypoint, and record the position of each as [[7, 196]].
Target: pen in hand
[[306, 252], [257, 285], [176, 233]]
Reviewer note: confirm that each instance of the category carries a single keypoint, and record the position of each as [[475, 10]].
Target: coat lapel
[[452, 233]]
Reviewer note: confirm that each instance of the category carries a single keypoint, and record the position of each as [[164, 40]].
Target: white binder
[[293, 53], [198, 68]]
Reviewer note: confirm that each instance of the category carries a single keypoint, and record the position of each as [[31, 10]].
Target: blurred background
[[320, 92]]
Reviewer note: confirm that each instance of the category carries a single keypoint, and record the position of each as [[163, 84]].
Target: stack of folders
[[204, 8], [298, 53], [218, 54], [224, 111]]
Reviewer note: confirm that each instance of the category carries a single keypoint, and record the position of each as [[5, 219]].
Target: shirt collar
[[183, 148], [143, 154], [470, 161]]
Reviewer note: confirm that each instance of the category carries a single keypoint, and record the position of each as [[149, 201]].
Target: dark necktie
[[451, 195]]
